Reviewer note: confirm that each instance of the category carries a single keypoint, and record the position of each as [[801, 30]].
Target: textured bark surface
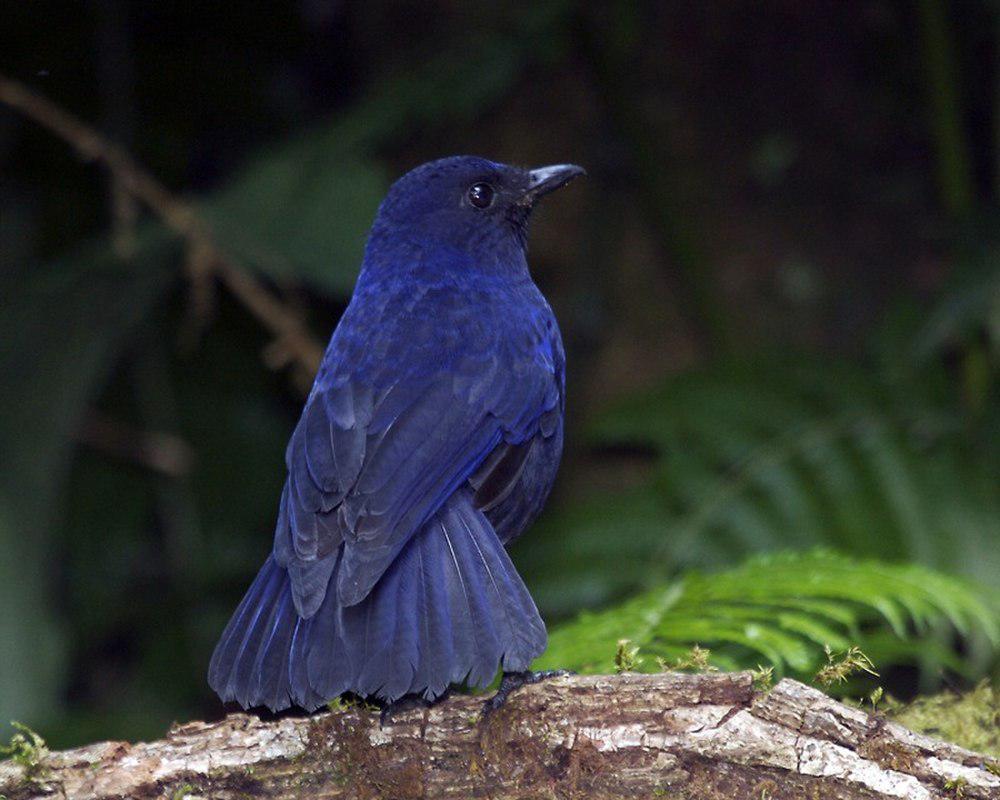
[[666, 735]]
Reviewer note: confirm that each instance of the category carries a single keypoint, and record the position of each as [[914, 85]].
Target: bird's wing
[[367, 471]]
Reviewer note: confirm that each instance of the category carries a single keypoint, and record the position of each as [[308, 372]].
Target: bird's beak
[[543, 180]]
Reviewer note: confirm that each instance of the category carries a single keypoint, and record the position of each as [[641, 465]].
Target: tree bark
[[666, 735]]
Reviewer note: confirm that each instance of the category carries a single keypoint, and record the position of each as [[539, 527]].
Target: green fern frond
[[768, 456], [781, 610], [777, 455]]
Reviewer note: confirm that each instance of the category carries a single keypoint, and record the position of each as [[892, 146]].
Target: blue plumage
[[430, 439]]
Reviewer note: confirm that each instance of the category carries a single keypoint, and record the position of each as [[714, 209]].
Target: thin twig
[[179, 216], [159, 451]]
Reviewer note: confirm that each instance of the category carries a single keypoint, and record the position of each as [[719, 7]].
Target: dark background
[[778, 287]]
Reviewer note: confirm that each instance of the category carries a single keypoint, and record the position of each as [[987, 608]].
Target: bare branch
[[667, 735], [160, 451]]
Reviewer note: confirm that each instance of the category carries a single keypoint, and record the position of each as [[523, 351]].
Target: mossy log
[[667, 735]]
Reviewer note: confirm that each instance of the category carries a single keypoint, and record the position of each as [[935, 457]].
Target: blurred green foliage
[[50, 374], [782, 318], [788, 452]]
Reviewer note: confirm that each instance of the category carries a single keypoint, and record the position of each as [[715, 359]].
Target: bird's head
[[466, 203]]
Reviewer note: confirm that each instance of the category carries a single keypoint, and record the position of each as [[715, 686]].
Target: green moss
[[840, 666], [26, 748], [694, 660], [626, 657], [971, 720], [348, 702], [763, 678], [339, 704]]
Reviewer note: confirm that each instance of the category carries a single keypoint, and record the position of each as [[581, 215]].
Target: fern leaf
[[784, 608]]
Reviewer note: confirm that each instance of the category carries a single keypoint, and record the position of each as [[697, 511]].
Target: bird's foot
[[406, 703], [514, 680]]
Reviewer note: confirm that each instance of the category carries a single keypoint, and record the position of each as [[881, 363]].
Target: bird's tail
[[251, 662], [448, 610]]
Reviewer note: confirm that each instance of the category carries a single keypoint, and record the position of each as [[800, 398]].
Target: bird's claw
[[515, 680]]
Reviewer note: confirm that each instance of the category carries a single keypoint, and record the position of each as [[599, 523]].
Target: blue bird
[[429, 441]]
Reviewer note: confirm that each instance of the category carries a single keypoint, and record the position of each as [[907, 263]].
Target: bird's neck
[[420, 257]]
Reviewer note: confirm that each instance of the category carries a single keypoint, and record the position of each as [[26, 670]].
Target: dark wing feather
[[367, 468], [422, 457], [500, 473]]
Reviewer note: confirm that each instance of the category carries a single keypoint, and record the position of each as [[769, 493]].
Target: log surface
[[667, 735]]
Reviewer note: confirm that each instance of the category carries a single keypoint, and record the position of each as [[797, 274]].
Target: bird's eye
[[481, 195]]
